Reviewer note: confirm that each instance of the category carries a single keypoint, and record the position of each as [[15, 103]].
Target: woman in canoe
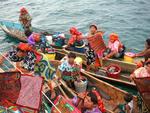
[[95, 47], [146, 52], [25, 20], [30, 60], [115, 47], [89, 102], [23, 52], [68, 70], [40, 42], [76, 43]]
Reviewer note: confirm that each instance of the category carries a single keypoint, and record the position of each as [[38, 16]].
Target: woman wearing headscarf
[[75, 42], [22, 53], [25, 19], [115, 47]]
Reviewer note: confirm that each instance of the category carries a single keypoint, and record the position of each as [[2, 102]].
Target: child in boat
[[127, 107], [142, 72], [94, 49], [68, 70], [76, 43], [146, 52], [25, 20], [115, 47]]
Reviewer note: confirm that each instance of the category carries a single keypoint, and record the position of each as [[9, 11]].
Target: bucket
[[113, 71], [81, 86], [50, 56], [128, 57]]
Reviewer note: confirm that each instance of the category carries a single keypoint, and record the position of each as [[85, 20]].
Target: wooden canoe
[[102, 75], [14, 30], [116, 94], [143, 86], [111, 95], [125, 66]]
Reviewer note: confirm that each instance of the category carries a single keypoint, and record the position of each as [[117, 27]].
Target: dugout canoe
[[14, 30], [143, 86], [125, 66], [102, 75], [111, 95]]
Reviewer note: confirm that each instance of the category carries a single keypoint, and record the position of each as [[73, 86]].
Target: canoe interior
[[116, 94], [123, 83], [14, 30], [143, 86], [125, 66]]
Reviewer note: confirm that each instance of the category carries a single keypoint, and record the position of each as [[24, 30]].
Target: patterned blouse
[[69, 70], [28, 61]]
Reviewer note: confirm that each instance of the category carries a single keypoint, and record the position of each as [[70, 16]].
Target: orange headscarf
[[24, 47], [114, 36]]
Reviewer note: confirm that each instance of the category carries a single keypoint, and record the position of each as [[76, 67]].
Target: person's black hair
[[128, 97], [93, 26], [93, 97], [148, 41], [72, 55]]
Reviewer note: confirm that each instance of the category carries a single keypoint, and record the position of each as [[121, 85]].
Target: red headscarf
[[36, 37], [24, 47], [100, 101], [74, 31], [23, 10], [114, 36]]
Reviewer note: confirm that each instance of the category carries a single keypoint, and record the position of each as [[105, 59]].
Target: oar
[[59, 85], [61, 90], [67, 88], [51, 102]]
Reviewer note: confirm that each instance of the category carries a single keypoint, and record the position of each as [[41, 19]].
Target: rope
[[51, 102]]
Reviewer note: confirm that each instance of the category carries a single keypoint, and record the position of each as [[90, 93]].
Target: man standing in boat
[[25, 20]]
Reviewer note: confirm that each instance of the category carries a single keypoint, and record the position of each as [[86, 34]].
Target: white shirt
[[130, 104]]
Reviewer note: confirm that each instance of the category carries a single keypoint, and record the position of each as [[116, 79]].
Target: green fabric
[[44, 68], [67, 78]]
